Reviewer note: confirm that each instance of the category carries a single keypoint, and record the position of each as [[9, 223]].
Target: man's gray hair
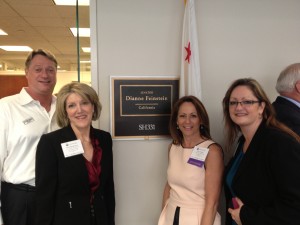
[[288, 78]]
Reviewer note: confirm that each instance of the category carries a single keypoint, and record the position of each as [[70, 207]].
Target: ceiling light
[[85, 62], [2, 32], [16, 48], [86, 49], [72, 2], [83, 32]]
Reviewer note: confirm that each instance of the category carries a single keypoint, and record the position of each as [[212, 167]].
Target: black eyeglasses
[[243, 103]]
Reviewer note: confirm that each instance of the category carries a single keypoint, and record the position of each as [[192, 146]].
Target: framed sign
[[141, 106]]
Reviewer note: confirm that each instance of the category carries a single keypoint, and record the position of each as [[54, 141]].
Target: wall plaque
[[141, 106]]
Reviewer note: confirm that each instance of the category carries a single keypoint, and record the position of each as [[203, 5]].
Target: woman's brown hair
[[176, 134], [269, 114]]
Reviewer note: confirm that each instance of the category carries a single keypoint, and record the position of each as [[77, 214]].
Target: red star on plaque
[[188, 52]]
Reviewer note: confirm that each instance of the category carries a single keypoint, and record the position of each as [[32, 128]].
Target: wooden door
[[11, 84]]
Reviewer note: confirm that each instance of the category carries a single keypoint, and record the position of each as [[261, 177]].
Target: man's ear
[[26, 72], [297, 86]]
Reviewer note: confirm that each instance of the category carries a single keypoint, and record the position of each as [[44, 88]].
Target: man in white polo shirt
[[24, 118]]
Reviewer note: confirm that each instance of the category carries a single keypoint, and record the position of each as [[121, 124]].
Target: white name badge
[[72, 148], [198, 156]]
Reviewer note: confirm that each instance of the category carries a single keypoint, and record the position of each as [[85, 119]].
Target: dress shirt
[[291, 100], [23, 121]]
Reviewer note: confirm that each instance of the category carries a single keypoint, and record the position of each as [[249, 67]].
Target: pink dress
[[187, 184]]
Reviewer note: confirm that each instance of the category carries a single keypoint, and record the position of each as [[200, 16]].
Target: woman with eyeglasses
[[262, 182]]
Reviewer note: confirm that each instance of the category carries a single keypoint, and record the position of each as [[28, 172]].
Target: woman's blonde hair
[[83, 90]]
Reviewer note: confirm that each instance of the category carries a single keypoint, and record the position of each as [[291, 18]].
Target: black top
[[63, 190], [268, 180]]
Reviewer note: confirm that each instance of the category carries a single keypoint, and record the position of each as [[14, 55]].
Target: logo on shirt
[[27, 121]]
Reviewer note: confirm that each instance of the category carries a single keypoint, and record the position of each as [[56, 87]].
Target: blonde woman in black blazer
[[74, 165], [262, 180]]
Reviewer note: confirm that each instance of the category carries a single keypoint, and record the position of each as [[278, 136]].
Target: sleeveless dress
[[187, 184]]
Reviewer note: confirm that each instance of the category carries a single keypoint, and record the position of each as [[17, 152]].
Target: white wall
[[237, 38]]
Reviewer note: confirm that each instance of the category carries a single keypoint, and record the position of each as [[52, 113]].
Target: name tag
[[72, 148], [198, 156]]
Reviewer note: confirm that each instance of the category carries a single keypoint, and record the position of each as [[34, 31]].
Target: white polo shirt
[[22, 122]]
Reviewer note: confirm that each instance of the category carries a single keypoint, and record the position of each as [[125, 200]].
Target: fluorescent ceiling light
[[16, 48], [86, 49], [72, 2], [2, 32], [85, 62], [83, 32]]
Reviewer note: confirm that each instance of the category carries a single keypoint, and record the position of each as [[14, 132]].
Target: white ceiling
[[42, 24]]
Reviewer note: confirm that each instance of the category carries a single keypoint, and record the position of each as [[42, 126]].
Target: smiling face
[[188, 120], [245, 115], [41, 75], [79, 111]]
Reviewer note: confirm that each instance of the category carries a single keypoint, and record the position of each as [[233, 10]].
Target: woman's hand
[[235, 213]]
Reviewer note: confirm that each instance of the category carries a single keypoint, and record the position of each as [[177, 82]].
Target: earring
[[201, 127]]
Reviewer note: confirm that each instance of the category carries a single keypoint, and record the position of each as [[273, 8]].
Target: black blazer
[[63, 192], [268, 180], [287, 113]]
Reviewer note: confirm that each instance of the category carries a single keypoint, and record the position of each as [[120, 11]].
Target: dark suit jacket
[[63, 192], [288, 113], [268, 180]]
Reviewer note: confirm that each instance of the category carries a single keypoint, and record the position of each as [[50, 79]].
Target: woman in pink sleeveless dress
[[194, 175]]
